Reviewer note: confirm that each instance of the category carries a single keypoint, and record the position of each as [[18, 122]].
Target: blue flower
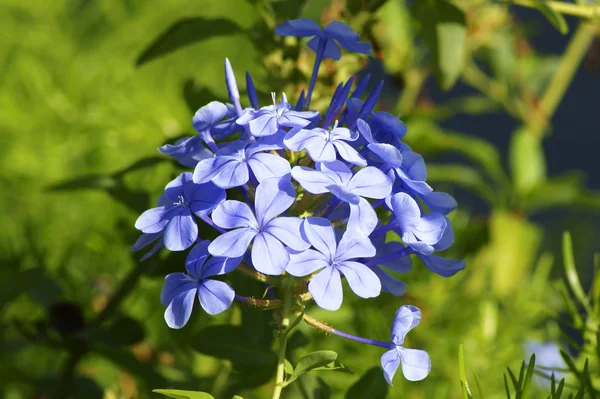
[[188, 151], [415, 363], [146, 239], [333, 259], [321, 144], [267, 232], [173, 217], [232, 164], [334, 32], [271, 119], [388, 257], [337, 178], [180, 289]]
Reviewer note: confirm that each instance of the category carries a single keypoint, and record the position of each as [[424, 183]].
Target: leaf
[[528, 376], [232, 343], [466, 392], [527, 162], [555, 18], [319, 360], [322, 391], [13, 283], [185, 32], [179, 394], [443, 28], [462, 176], [123, 332], [289, 369], [371, 385], [478, 384], [571, 271]]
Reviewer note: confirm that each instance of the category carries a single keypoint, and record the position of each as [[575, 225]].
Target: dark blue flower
[[173, 217], [180, 289], [334, 32]]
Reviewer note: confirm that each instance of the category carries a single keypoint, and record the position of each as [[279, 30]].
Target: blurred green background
[[90, 88]]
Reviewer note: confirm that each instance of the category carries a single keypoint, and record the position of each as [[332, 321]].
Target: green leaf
[[444, 30], [289, 369], [322, 390], [528, 376], [13, 283], [370, 385], [125, 331], [466, 392], [478, 384], [185, 32], [179, 394], [319, 360], [232, 343], [237, 397], [571, 271], [527, 162], [555, 18], [465, 177]]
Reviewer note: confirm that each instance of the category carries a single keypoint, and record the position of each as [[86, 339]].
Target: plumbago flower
[[301, 200]]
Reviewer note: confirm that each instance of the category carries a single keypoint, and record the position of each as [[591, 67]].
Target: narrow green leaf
[[179, 394], [289, 369], [514, 380], [580, 392], [559, 389], [466, 392], [571, 307], [571, 271], [555, 18], [527, 162], [506, 387], [528, 376], [587, 379], [478, 384], [443, 28], [312, 361], [185, 32], [570, 363]]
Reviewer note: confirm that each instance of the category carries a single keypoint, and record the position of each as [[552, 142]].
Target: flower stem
[[578, 10], [313, 79], [285, 323]]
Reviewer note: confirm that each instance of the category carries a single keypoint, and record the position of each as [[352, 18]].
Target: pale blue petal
[[231, 214], [218, 265], [312, 180], [440, 202], [319, 232], [447, 238], [354, 244], [232, 174], [362, 280], [209, 115], [175, 188], [269, 255], [362, 217], [181, 232], [349, 154], [389, 284], [180, 309], [416, 364], [263, 124], [431, 228], [265, 166], [339, 173], [326, 289], [370, 182], [442, 266], [233, 243], [208, 168], [154, 220], [388, 153], [215, 296], [273, 197], [390, 361], [297, 139], [406, 210], [175, 284], [306, 262], [407, 317], [342, 133], [203, 198], [320, 150], [363, 127], [287, 230], [393, 127], [344, 194], [196, 258], [297, 119]]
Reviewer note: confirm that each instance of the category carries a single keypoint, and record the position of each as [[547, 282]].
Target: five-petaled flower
[[267, 232], [180, 289], [174, 216], [415, 363], [332, 259]]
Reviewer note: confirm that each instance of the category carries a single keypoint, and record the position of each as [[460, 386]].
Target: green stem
[[569, 63], [285, 323], [578, 10]]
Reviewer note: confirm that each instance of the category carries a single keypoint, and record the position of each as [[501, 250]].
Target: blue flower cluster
[[311, 185]]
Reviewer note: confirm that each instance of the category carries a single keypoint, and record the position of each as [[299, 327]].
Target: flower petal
[[407, 317], [320, 234], [339, 173], [180, 309], [354, 244], [364, 129], [297, 119], [233, 244], [231, 214], [388, 153], [321, 150], [312, 180], [203, 198], [215, 296], [196, 258], [263, 124], [208, 168], [265, 166], [389, 284], [301, 27], [390, 361], [232, 174], [268, 255], [370, 182], [218, 265], [306, 262], [362, 280], [297, 139], [175, 284], [362, 217], [431, 228], [416, 364], [349, 154], [209, 115], [332, 50], [326, 289], [154, 220], [181, 232], [440, 202], [287, 230], [273, 197], [406, 210], [442, 266]]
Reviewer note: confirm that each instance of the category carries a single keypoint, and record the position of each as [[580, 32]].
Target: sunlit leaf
[[319, 360], [527, 162], [555, 18], [179, 394]]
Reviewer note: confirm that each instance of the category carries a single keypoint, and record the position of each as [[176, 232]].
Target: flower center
[[180, 201]]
